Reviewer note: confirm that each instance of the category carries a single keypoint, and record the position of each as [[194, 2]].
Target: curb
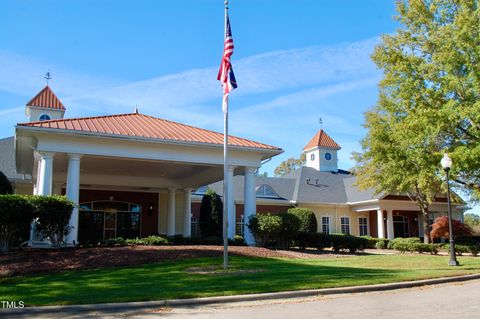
[[113, 307]]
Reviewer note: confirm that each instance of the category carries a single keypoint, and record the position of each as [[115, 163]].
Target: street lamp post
[[446, 163]]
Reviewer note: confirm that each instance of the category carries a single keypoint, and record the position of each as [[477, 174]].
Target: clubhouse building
[[133, 175]]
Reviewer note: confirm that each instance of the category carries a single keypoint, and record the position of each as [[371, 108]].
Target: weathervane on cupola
[[47, 77], [45, 105]]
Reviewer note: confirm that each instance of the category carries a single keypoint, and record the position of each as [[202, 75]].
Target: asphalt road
[[455, 300], [458, 300]]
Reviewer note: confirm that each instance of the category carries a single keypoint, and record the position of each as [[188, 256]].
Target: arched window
[[44, 117], [266, 191]]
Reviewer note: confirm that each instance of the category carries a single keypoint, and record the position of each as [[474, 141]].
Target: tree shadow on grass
[[169, 280]]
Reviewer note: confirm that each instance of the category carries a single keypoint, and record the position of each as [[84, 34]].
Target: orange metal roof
[[46, 99], [321, 139], [139, 125]]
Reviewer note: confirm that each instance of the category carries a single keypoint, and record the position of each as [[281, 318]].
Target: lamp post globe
[[446, 163]]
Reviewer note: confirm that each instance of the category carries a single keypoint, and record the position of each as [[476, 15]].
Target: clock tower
[[321, 153]]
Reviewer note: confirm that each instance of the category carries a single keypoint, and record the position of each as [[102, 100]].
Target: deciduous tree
[[428, 102], [290, 165]]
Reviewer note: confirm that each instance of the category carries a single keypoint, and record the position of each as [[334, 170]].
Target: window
[[363, 226], [266, 191], [239, 226], [326, 225], [44, 117], [345, 225], [194, 227], [328, 156]]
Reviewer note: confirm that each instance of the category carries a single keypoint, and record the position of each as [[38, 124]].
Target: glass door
[[110, 227]]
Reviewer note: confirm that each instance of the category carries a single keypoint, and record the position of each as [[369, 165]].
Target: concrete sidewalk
[[117, 307]]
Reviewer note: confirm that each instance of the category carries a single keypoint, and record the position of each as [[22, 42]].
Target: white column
[[390, 232], [249, 203], [187, 212], [231, 204], [171, 212], [46, 172], [36, 189], [381, 230], [73, 193]]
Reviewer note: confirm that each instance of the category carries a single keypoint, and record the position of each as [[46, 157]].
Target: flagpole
[[225, 168]]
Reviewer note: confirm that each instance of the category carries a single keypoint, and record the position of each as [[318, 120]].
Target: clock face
[[328, 156], [312, 157]]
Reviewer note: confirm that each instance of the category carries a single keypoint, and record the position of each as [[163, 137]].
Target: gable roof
[[46, 99], [143, 126], [321, 139]]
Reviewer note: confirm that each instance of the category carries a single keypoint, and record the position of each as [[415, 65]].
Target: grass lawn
[[171, 280]]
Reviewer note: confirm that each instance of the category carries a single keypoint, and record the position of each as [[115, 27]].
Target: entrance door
[[401, 226], [107, 219], [110, 228]]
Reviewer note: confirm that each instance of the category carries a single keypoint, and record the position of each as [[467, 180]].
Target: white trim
[[146, 139]]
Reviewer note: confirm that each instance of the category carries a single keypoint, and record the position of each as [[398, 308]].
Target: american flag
[[225, 74]]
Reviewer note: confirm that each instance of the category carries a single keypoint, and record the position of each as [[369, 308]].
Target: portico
[[135, 153]]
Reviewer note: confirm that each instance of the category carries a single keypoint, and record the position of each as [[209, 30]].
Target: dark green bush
[[53, 214], [237, 241], [16, 214], [119, 241], [289, 229], [308, 221], [404, 244], [463, 249], [265, 227], [352, 244], [425, 248], [5, 186], [211, 215], [382, 243]]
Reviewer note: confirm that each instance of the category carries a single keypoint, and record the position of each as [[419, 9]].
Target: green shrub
[[135, 241], [237, 241], [405, 244], [211, 215], [265, 227], [53, 213], [474, 249], [352, 244], [308, 221], [425, 248], [371, 241], [119, 241], [288, 230], [155, 241], [16, 214], [5, 186], [462, 249], [382, 243]]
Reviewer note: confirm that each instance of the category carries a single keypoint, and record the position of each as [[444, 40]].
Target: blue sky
[[295, 61]]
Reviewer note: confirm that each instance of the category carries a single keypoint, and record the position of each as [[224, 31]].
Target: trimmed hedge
[[308, 221], [156, 240], [16, 214], [463, 249], [382, 243], [338, 242], [53, 213]]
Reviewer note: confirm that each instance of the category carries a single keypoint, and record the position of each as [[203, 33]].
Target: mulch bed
[[32, 261]]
